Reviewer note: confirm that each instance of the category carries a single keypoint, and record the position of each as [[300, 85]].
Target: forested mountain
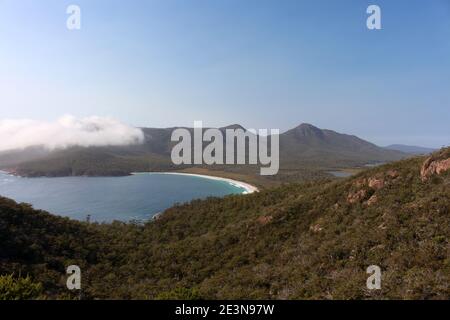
[[327, 148], [307, 241], [304, 151]]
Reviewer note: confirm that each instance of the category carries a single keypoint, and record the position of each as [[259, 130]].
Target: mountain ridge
[[304, 147]]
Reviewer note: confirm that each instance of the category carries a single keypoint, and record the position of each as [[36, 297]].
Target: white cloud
[[67, 131]]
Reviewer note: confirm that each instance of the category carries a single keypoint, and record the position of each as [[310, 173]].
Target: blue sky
[[260, 63]]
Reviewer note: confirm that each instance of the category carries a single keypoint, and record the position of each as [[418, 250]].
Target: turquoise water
[[136, 197]]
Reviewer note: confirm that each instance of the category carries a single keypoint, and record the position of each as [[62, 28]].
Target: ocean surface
[[136, 197]]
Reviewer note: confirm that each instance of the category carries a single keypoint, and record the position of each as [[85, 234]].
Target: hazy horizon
[[262, 64]]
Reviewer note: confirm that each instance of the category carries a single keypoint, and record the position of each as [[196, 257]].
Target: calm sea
[[137, 197]]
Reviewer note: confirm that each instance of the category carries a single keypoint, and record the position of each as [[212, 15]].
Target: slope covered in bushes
[[308, 241]]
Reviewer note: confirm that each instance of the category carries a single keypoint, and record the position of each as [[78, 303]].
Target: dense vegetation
[[18, 288], [299, 241]]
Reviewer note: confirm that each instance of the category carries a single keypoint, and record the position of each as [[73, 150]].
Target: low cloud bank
[[66, 132]]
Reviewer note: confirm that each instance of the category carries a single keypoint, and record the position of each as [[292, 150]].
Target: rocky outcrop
[[372, 200], [393, 173], [375, 183], [433, 166], [356, 196], [365, 187], [263, 220], [316, 228]]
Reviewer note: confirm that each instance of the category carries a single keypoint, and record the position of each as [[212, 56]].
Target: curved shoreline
[[247, 187]]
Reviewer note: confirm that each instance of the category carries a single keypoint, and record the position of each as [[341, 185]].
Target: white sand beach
[[247, 187]]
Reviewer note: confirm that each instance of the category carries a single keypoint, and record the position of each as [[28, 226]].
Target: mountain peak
[[306, 129], [234, 127], [307, 126]]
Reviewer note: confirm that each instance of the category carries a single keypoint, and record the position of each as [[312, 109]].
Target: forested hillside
[[306, 153], [298, 241]]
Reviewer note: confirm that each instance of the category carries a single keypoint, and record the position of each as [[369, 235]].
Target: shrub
[[18, 288]]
